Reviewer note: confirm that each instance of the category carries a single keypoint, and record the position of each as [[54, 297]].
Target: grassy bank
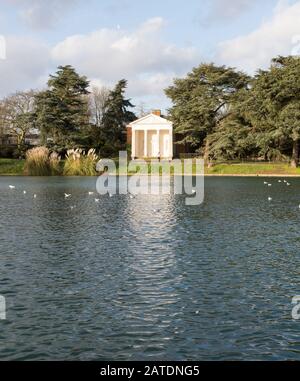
[[254, 169], [16, 167], [11, 167]]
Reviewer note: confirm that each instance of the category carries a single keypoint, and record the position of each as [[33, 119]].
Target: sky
[[149, 43]]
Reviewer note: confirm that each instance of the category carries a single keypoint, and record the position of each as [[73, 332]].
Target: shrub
[[54, 163], [39, 162], [78, 163]]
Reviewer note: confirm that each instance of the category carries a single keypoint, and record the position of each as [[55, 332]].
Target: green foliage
[[78, 163], [202, 100], [62, 110], [225, 114], [116, 117], [11, 167]]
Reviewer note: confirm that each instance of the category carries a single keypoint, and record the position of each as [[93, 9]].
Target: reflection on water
[[148, 277]]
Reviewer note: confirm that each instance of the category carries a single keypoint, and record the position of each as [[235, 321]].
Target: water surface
[[149, 278]]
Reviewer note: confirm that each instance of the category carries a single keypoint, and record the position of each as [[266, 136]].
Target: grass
[[79, 163], [16, 167], [11, 167], [258, 169]]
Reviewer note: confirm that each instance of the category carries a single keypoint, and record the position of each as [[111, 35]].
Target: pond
[[149, 278]]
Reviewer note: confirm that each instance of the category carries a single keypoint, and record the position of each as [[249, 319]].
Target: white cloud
[[142, 57], [274, 37], [27, 61], [105, 56]]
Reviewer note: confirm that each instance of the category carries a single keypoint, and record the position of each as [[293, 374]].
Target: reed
[[54, 163], [37, 162], [79, 163]]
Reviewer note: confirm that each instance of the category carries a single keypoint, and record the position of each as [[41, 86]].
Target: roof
[[150, 119]]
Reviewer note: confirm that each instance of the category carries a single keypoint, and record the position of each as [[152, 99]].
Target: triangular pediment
[[150, 119]]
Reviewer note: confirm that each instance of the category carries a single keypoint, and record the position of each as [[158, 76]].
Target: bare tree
[[97, 103], [16, 115], [142, 110]]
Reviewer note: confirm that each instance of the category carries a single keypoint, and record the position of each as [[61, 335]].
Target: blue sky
[[147, 42]]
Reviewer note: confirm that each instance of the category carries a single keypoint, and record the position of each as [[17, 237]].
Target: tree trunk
[[295, 155]]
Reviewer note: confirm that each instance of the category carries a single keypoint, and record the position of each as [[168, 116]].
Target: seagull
[[97, 200], [12, 187], [270, 199], [193, 191], [265, 183], [279, 181], [67, 195], [269, 185], [288, 184], [24, 192], [72, 207], [131, 196], [111, 195], [91, 193], [34, 196], [284, 181]]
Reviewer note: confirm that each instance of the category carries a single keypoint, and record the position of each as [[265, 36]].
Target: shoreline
[[275, 175]]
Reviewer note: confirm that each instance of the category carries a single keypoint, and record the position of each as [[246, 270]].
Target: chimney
[[156, 112]]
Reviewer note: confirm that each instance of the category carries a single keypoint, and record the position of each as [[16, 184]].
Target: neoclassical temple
[[151, 137]]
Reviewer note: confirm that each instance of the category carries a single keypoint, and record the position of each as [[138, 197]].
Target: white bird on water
[[111, 195], [279, 181], [34, 196], [91, 193], [24, 192], [67, 195], [270, 199], [269, 185], [12, 187], [97, 200], [288, 184], [265, 183]]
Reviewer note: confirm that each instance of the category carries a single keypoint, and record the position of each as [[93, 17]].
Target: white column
[[145, 143], [171, 143], [133, 141]]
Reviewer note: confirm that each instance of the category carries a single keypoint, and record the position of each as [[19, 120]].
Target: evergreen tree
[[273, 109], [115, 119], [62, 110], [202, 100]]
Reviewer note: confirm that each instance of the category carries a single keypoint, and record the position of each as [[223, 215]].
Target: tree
[[116, 118], [202, 100], [273, 109], [62, 110], [17, 116], [98, 98]]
